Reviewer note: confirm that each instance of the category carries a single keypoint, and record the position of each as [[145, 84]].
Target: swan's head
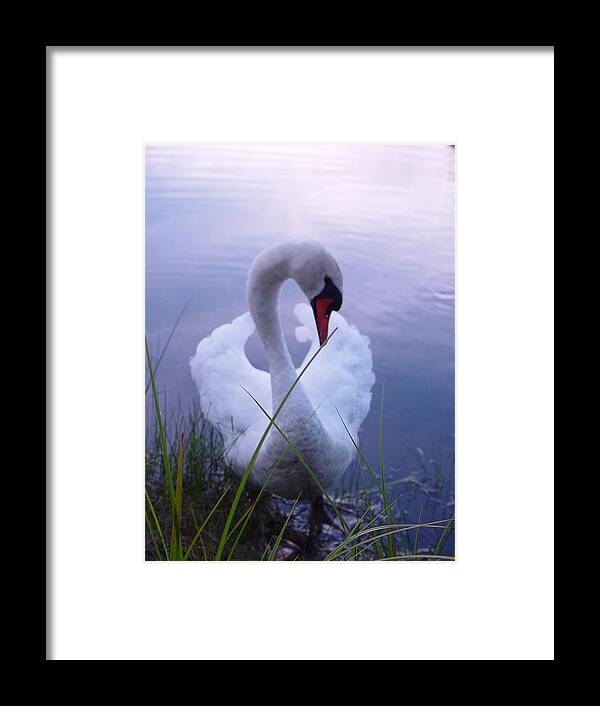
[[319, 276]]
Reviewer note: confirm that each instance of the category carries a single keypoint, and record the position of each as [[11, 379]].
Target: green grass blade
[[444, 537], [176, 548], [152, 536], [360, 454], [203, 547], [157, 523], [199, 529], [161, 430], [199, 537], [266, 549], [416, 545], [281, 533], [243, 521], [164, 350], [391, 542]]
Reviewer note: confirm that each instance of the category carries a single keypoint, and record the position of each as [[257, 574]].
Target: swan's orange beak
[[322, 309], [330, 299]]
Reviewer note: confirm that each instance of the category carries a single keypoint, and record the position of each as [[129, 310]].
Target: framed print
[[301, 352]]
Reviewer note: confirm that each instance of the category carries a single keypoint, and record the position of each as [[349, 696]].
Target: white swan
[[340, 377]]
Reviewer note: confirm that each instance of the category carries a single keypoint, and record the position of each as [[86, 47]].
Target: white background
[[495, 601]]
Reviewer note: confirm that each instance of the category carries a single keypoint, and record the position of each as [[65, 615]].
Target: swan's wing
[[221, 369], [341, 376]]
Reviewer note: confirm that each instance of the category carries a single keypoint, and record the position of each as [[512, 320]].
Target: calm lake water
[[386, 213]]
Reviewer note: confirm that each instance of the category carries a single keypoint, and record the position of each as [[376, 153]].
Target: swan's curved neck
[[268, 272]]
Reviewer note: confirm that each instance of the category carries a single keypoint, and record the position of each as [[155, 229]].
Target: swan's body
[[339, 379]]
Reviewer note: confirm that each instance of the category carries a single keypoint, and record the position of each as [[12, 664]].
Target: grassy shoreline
[[197, 508], [208, 489]]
